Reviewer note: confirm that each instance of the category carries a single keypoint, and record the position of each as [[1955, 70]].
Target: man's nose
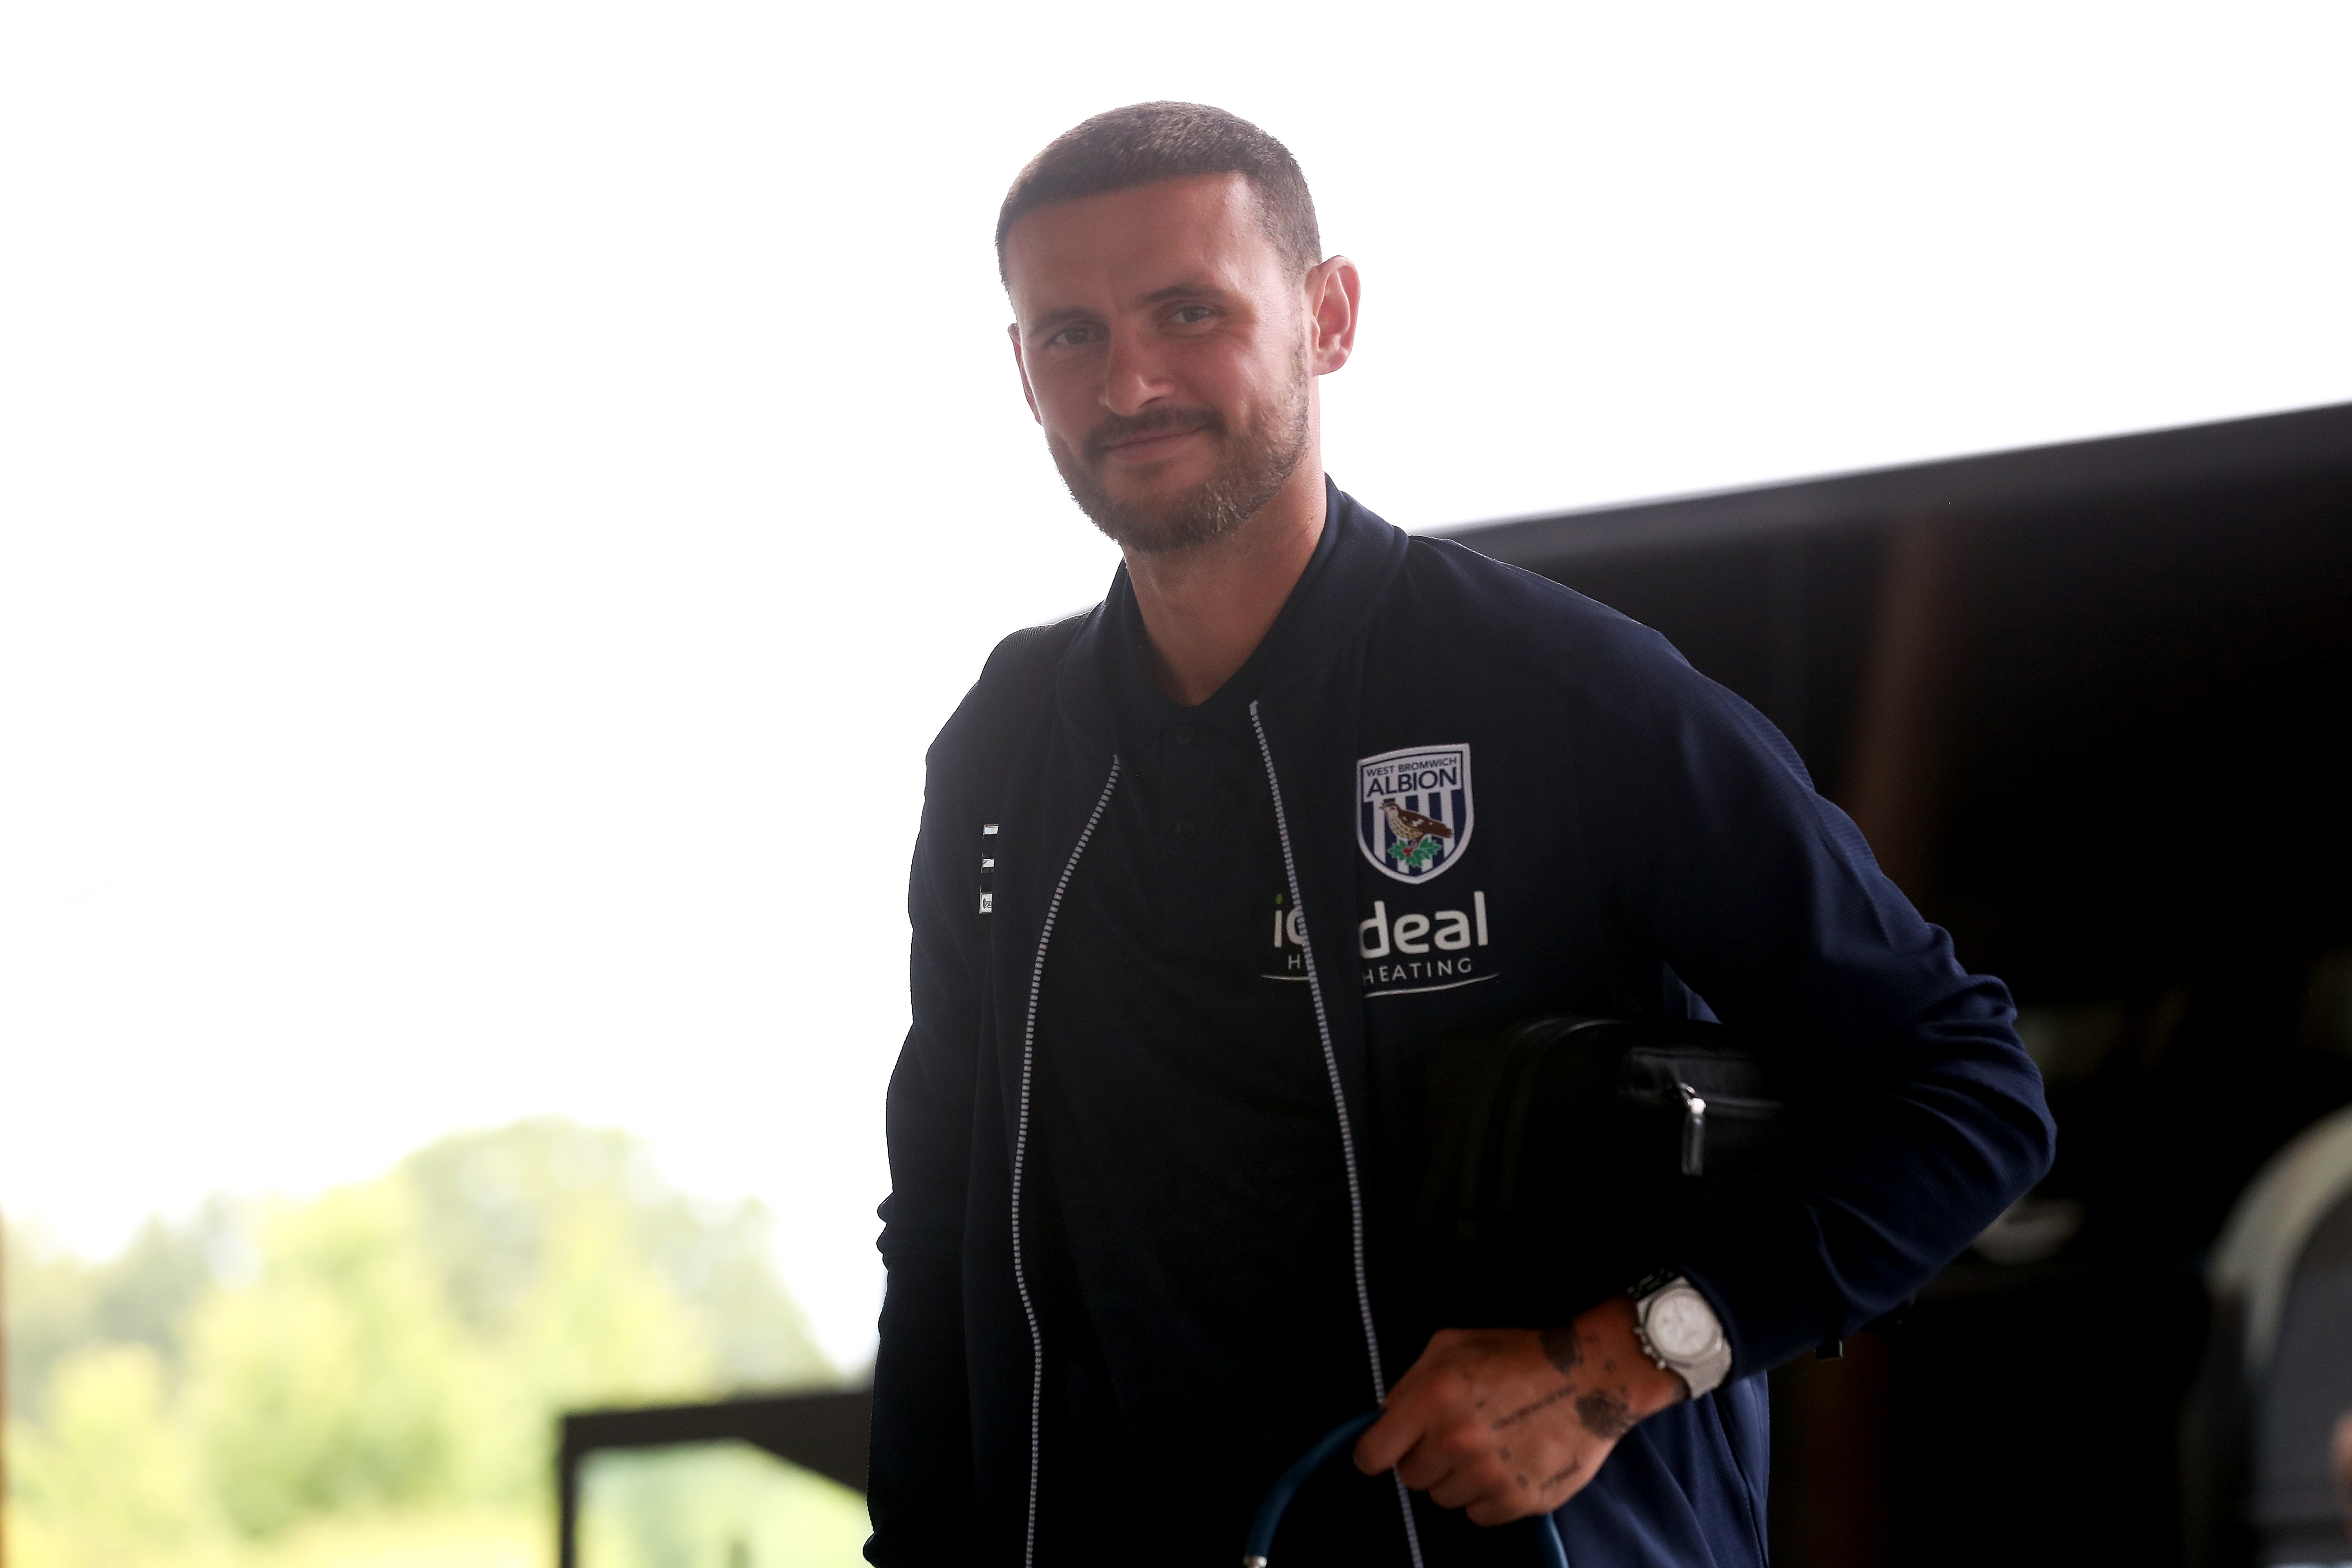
[[1134, 376]]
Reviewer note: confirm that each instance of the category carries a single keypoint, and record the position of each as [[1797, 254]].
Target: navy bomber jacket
[[1643, 842]]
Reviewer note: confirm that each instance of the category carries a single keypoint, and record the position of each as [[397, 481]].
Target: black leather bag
[[1566, 1157]]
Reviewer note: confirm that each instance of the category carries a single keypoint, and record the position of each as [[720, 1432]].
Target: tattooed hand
[[1506, 1423]]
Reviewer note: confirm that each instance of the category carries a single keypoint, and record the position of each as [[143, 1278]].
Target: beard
[[1252, 465]]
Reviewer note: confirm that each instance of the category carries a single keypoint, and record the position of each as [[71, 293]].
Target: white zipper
[[1339, 1104], [1020, 1152]]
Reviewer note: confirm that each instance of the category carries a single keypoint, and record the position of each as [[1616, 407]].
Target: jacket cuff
[[1771, 1314]]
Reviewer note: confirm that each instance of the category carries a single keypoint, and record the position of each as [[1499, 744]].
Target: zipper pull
[[988, 869], [1694, 1130]]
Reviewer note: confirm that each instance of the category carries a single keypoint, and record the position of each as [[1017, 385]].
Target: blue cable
[[1260, 1544], [1278, 1496]]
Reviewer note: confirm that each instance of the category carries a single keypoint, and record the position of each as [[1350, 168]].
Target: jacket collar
[[1355, 559]]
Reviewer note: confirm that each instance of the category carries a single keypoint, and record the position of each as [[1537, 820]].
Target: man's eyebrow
[[1192, 287], [1189, 288], [1061, 317]]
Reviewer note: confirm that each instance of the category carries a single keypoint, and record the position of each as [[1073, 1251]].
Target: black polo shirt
[[1180, 1100]]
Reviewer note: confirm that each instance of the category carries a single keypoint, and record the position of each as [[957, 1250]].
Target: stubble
[[1252, 468]]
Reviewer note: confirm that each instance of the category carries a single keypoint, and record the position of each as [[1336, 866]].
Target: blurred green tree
[[57, 1302], [111, 1456], [339, 1378], [396, 1348]]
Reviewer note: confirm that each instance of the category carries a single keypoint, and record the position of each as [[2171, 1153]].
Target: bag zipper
[[1694, 1129]]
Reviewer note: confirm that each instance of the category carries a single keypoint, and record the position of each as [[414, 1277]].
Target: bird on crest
[[1412, 826]]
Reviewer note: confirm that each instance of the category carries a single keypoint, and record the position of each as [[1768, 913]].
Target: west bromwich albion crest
[[1413, 810]]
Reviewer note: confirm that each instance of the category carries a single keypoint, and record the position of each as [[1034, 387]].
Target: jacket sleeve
[[1764, 899], [919, 1489]]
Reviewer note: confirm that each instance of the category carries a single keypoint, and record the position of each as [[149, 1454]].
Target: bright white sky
[[498, 496]]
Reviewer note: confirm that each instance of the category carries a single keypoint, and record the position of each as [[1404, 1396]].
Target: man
[[1204, 874]]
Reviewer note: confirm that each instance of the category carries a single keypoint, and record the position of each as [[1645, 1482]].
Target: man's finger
[[1426, 1465], [1388, 1440], [1466, 1485]]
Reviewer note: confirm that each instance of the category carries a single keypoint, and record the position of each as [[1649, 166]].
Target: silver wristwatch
[[1680, 1331]]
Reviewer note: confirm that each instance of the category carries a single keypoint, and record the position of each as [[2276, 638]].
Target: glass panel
[[714, 1505]]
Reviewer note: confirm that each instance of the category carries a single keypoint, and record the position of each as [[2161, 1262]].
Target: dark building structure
[[2090, 704]]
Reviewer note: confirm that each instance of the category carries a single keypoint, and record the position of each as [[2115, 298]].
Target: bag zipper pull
[[1694, 1130]]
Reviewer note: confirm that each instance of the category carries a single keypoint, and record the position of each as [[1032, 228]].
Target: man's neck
[[1205, 610]]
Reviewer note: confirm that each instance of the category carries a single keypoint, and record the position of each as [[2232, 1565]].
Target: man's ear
[[1013, 331], [1334, 293]]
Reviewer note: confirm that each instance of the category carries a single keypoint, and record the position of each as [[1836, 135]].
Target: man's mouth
[[1146, 442], [1152, 447]]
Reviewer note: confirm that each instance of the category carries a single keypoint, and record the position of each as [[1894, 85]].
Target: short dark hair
[[1147, 142]]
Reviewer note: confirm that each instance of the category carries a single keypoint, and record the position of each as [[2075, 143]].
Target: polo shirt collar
[[1354, 559]]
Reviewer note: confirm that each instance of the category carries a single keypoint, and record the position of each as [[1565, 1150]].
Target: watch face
[[1682, 1325]]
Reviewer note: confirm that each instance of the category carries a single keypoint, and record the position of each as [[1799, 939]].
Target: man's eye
[[1192, 315], [1072, 337]]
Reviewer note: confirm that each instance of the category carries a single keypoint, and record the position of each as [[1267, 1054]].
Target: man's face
[[1168, 352]]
